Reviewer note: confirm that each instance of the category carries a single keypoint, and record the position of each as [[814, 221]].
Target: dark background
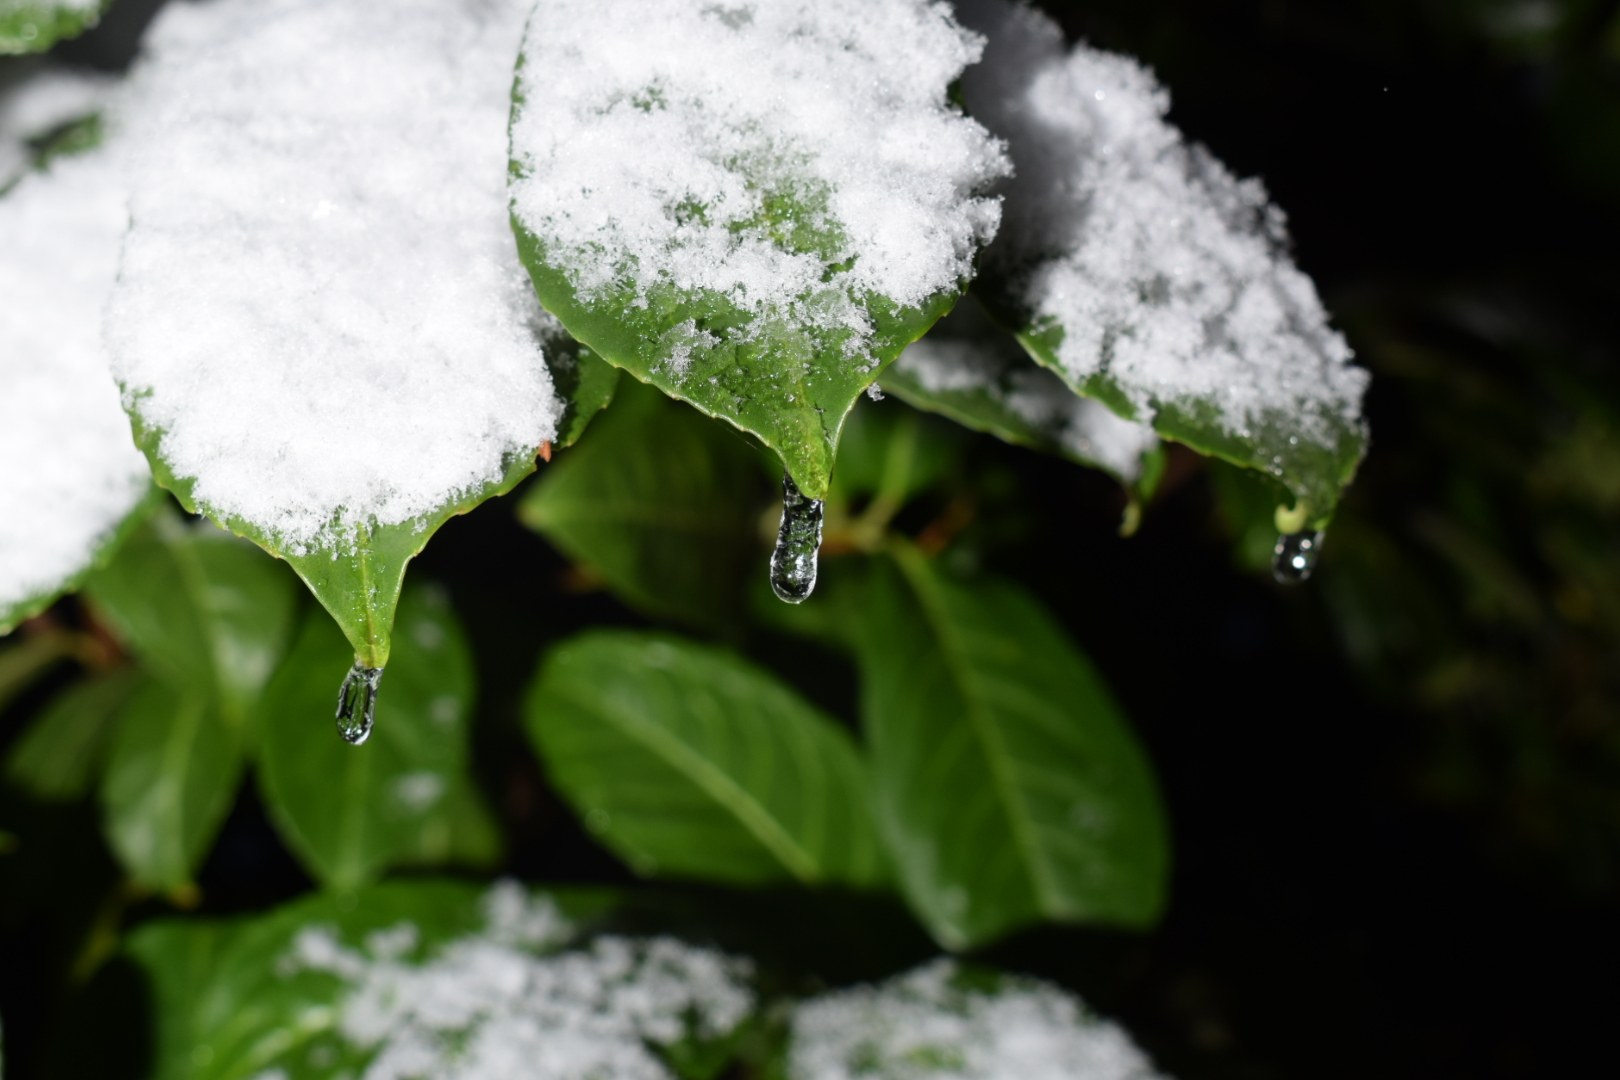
[[1395, 790]]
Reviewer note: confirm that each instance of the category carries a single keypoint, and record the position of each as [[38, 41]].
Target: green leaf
[[358, 582], [31, 26], [974, 372], [1007, 784], [349, 811], [662, 502], [203, 610], [171, 777], [584, 382], [464, 834], [690, 762], [27, 659], [60, 755]]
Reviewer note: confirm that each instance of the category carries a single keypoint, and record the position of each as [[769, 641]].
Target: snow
[[924, 1026], [501, 1005], [320, 303], [966, 353], [41, 103], [660, 132], [1164, 272], [72, 471]]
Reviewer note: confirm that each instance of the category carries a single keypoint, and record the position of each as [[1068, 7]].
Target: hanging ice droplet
[[357, 703], [793, 563], [1295, 556]]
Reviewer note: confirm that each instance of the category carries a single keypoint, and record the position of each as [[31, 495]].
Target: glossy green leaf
[[253, 997], [974, 372], [358, 583], [170, 779], [350, 811], [690, 762], [202, 609], [1248, 501], [661, 501], [60, 755], [1007, 784], [31, 26], [585, 383]]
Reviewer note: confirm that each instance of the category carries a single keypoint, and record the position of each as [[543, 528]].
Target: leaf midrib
[[713, 782], [960, 668]]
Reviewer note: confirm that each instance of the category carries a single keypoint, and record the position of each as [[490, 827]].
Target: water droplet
[[1295, 557], [357, 703], [793, 563]]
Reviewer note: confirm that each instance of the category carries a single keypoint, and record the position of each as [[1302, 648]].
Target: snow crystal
[[659, 136], [487, 1007], [1164, 273], [72, 472], [965, 353], [320, 303], [40, 104], [923, 1026]]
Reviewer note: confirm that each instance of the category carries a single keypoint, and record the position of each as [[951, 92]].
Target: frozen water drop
[[357, 703], [1295, 556], [793, 563]]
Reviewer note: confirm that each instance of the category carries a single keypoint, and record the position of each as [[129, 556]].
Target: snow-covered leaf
[[350, 811], [1148, 277], [972, 371], [73, 481], [941, 1022], [754, 208], [322, 330], [690, 762], [46, 112], [585, 383], [30, 26], [662, 502], [433, 979], [1007, 784]]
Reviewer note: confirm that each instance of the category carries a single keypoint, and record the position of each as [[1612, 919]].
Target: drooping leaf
[[350, 811], [1007, 784], [661, 501], [690, 762], [739, 210], [1140, 271], [362, 359], [31, 26], [976, 373], [202, 609], [60, 756], [171, 775], [436, 977]]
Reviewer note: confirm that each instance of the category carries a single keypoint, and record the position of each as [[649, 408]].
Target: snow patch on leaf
[[930, 1024], [320, 305]]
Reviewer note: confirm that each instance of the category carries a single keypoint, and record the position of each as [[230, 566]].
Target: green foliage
[[349, 812], [661, 502], [61, 754], [1008, 786], [31, 26], [584, 381], [171, 775], [690, 762]]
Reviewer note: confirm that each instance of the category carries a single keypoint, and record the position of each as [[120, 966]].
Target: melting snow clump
[[72, 472], [926, 1026], [665, 138], [1164, 273], [320, 304], [504, 1005]]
